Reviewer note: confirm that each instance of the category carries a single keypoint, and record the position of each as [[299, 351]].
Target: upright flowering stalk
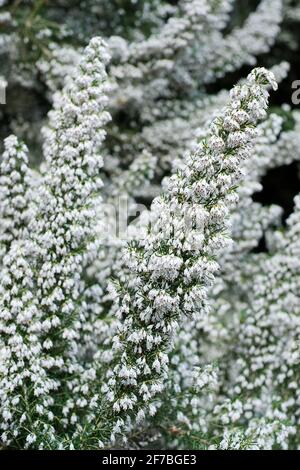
[[175, 265], [41, 315], [14, 193], [65, 228], [65, 232]]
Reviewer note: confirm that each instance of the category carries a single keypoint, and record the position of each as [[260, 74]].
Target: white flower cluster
[[23, 378], [62, 233], [266, 367], [175, 264], [14, 193]]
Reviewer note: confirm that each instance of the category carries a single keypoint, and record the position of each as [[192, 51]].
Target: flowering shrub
[[179, 331]]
